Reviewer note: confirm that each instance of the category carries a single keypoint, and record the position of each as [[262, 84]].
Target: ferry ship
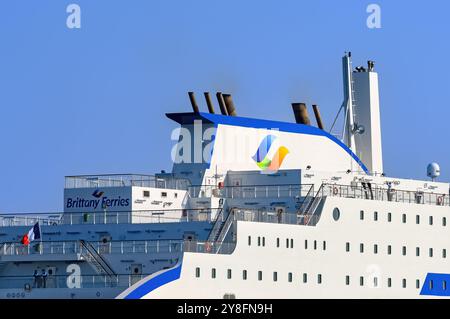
[[253, 208]]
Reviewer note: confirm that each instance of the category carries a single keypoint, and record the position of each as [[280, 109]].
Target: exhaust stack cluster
[[225, 103]]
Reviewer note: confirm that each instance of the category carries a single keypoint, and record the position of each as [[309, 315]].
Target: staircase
[[308, 208], [221, 227], [90, 254], [218, 225]]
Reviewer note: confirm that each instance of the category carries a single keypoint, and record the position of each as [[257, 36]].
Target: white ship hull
[[331, 271]]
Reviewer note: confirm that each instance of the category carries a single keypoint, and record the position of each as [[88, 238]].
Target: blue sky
[[92, 100]]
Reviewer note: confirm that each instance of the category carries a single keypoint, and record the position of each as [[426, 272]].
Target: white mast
[[349, 103]]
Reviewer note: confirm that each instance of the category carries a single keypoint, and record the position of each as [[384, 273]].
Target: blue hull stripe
[[155, 282], [189, 118], [436, 285]]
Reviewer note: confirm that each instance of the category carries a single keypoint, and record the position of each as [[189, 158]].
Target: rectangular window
[[347, 246], [278, 242], [389, 282], [306, 244], [361, 215], [197, 272], [444, 221], [244, 274], [163, 194], [347, 280], [389, 249], [431, 284], [375, 216], [417, 284], [361, 248], [417, 219], [375, 249], [264, 241], [375, 282], [389, 217], [315, 244], [290, 277], [404, 283], [361, 281], [176, 195], [292, 243], [213, 273], [431, 220], [275, 276], [287, 242], [260, 275], [146, 194], [259, 241], [324, 245], [249, 240], [431, 252], [404, 250], [305, 278], [444, 253], [229, 273], [444, 285], [404, 218], [417, 251], [319, 278]]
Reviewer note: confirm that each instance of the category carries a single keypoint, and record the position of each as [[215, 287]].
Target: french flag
[[33, 234]]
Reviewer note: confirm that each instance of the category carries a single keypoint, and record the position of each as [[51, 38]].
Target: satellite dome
[[433, 170]]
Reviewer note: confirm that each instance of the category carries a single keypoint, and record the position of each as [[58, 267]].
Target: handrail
[[306, 200], [208, 247], [73, 247], [216, 227], [125, 180], [60, 281], [248, 191], [98, 258], [226, 226], [106, 217], [386, 194], [311, 210]]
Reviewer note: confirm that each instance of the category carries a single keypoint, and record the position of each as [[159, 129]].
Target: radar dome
[[433, 170]]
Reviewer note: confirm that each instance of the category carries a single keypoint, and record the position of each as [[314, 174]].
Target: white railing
[[108, 217], [250, 191], [384, 194], [124, 180], [60, 281], [74, 247], [209, 247]]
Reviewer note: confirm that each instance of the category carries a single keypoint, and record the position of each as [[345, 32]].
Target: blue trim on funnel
[[189, 118], [155, 282]]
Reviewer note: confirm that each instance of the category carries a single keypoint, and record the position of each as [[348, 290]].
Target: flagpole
[[41, 248]]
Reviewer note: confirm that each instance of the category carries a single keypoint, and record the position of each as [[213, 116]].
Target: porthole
[[336, 214]]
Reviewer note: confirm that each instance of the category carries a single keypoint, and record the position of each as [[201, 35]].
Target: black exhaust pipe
[[301, 113], [193, 102], [223, 109], [231, 110], [209, 102]]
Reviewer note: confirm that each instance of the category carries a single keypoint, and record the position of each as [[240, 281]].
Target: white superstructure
[[303, 214]]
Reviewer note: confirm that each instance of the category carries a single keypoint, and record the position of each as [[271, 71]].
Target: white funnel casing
[[367, 114], [362, 129]]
